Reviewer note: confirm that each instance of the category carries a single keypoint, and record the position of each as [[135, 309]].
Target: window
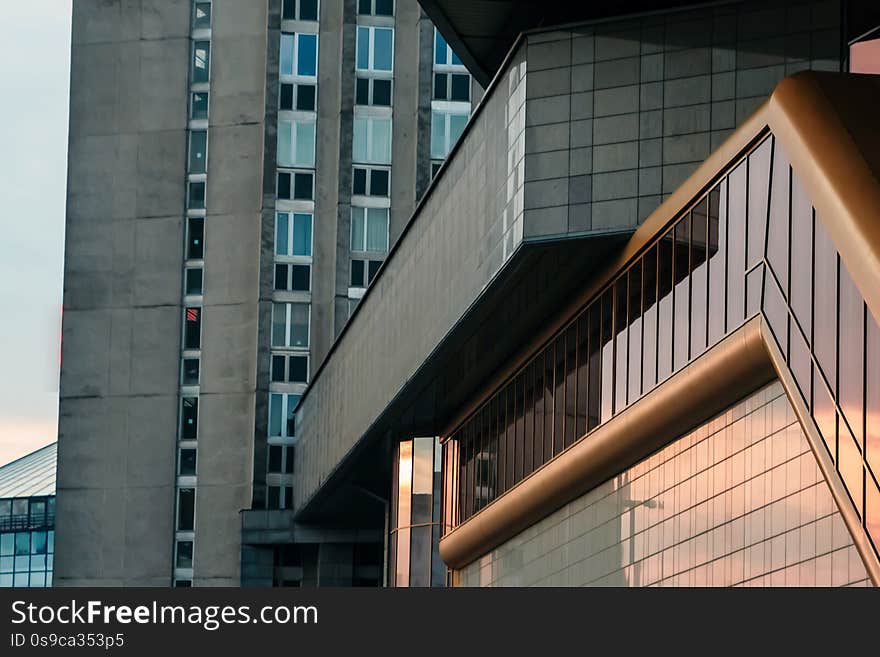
[[187, 465], [446, 128], [189, 418], [372, 140], [305, 97], [375, 49], [182, 583], [369, 229], [202, 16], [293, 234], [184, 557], [290, 325], [290, 368], [295, 278], [192, 328], [199, 105], [198, 146], [201, 61], [302, 188], [296, 143], [443, 55], [452, 86], [190, 372], [195, 236], [186, 509], [299, 55], [303, 10], [196, 196], [370, 182], [435, 167], [281, 416], [193, 278], [373, 91], [364, 271], [376, 7]]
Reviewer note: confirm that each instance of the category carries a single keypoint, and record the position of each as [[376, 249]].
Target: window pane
[[359, 140], [275, 414], [302, 234], [275, 458], [759, 182], [384, 7], [283, 185], [281, 228], [439, 48], [202, 18], [189, 420], [184, 554], [457, 122], [197, 195], [299, 369], [200, 105], [777, 231], [365, 7], [288, 10], [438, 135], [305, 97], [186, 508], [357, 228], [681, 266], [187, 461], [305, 144], [280, 277], [736, 246], [195, 249], [825, 303], [461, 87], [716, 253], [383, 38], [190, 371], [363, 47], [359, 181], [287, 54], [302, 186], [299, 331], [308, 10], [357, 273], [377, 229], [201, 59], [192, 328], [373, 267], [440, 86], [286, 100], [285, 143], [379, 182], [301, 278], [307, 54], [382, 92], [279, 322], [362, 91], [381, 141]]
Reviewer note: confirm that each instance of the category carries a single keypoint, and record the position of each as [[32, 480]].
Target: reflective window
[[372, 140], [369, 229], [201, 61], [446, 128], [299, 55], [303, 10], [290, 324], [375, 48], [296, 143]]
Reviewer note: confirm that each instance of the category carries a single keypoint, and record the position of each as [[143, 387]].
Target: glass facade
[[27, 541], [752, 244], [414, 558], [739, 501]]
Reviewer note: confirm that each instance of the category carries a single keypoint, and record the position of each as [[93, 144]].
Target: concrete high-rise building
[[238, 171], [619, 327]]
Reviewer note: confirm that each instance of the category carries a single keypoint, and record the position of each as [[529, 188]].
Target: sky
[[34, 89]]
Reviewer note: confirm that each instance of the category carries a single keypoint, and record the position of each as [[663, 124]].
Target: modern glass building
[[611, 321], [27, 519]]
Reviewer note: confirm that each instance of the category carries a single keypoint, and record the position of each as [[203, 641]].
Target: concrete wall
[[231, 299], [122, 287]]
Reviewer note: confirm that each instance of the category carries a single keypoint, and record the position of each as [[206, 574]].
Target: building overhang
[[482, 32]]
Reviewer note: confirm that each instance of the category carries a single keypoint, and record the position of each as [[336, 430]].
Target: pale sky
[[34, 87]]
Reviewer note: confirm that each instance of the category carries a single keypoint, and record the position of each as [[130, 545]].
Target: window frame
[[370, 120], [288, 325], [370, 69], [294, 75], [295, 120], [366, 221]]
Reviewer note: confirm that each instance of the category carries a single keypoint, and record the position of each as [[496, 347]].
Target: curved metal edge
[[735, 367], [730, 370], [817, 118]]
